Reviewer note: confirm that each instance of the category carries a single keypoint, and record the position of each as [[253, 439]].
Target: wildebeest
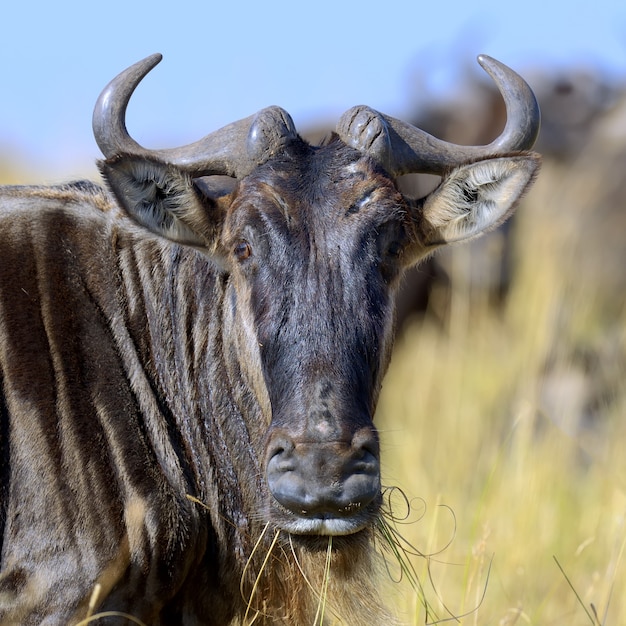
[[191, 360]]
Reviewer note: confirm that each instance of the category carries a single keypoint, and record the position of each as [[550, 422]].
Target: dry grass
[[511, 441]]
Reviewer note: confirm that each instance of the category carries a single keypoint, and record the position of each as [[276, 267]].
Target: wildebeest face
[[315, 257]]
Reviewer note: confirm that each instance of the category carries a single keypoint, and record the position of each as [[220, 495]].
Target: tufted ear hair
[[473, 199], [167, 201]]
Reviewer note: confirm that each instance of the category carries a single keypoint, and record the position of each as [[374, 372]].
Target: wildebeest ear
[[166, 200], [475, 198]]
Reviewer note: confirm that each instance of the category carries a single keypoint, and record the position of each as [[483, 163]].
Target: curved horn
[[232, 151], [402, 148]]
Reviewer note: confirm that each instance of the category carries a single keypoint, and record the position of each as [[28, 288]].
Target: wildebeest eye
[[242, 250], [395, 249]]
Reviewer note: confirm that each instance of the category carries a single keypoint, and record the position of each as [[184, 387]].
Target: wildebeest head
[[312, 243]]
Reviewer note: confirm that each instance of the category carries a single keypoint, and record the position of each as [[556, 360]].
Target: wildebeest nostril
[[365, 444], [280, 445]]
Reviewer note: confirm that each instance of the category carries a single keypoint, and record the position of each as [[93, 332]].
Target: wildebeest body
[[103, 409]]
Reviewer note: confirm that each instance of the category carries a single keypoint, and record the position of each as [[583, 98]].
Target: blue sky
[[225, 60]]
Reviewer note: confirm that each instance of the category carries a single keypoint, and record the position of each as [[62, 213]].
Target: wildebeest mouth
[[327, 525]]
